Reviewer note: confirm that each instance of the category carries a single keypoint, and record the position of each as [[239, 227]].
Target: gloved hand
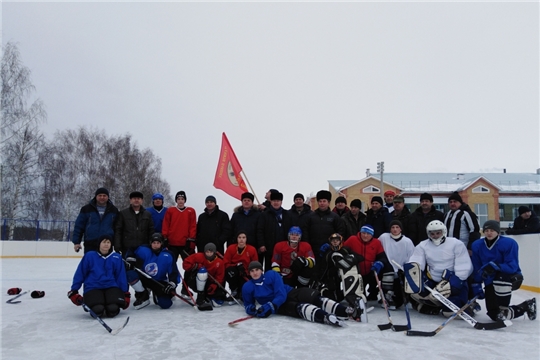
[[190, 244], [454, 281], [195, 267], [14, 291], [377, 267], [131, 263], [444, 288], [127, 299], [211, 289], [324, 248], [169, 287], [232, 272], [298, 263], [489, 270], [478, 291], [75, 297], [251, 310], [266, 310], [241, 269]]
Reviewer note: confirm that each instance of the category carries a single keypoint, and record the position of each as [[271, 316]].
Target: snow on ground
[[53, 328]]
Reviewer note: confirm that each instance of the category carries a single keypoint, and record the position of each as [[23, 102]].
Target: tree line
[[46, 178]]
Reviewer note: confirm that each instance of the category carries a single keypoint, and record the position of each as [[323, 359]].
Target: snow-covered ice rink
[[53, 328]]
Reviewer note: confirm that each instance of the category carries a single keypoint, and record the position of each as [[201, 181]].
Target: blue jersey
[[268, 288], [161, 266], [157, 217], [96, 271], [503, 252]]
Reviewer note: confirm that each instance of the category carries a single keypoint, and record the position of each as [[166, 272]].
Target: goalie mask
[[294, 236], [336, 241], [436, 232]]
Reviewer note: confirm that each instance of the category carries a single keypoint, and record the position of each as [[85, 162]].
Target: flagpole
[[251, 187]]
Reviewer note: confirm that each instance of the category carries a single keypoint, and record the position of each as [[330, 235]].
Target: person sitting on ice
[[237, 259], [104, 277], [275, 297], [203, 273], [443, 263], [294, 259], [496, 264], [162, 275], [398, 248]]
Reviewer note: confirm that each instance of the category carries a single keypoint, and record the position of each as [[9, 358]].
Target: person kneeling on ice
[[161, 275], [277, 298], [496, 264], [104, 277], [203, 272], [442, 263], [294, 259]]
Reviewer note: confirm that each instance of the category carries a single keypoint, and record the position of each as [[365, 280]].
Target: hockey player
[[203, 272], [496, 264], [339, 275], [104, 277], [294, 259], [237, 259], [443, 263], [373, 259], [277, 298], [398, 248], [159, 264]]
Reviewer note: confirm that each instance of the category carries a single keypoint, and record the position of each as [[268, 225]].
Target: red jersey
[[178, 225], [371, 251], [214, 267], [284, 255], [246, 255]]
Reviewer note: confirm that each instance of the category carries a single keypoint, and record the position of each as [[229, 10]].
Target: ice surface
[[53, 328]]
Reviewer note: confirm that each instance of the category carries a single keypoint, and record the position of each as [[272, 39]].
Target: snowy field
[[53, 328]]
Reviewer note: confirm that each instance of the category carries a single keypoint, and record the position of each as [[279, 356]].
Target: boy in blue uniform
[[160, 264], [104, 277], [496, 264], [275, 297]]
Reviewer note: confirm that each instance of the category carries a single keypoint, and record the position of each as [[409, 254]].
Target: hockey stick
[[390, 324], [436, 331], [107, 327], [405, 297], [10, 301], [235, 322]]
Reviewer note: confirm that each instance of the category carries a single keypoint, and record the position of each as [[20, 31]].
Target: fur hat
[[455, 196], [276, 196], [254, 265], [377, 199], [340, 199], [357, 203], [324, 195], [136, 194], [493, 225], [181, 193], [426, 196], [247, 195]]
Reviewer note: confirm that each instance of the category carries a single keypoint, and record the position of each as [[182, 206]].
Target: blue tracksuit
[[268, 288]]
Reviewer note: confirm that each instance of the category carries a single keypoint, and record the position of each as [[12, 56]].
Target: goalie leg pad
[[202, 276], [413, 278]]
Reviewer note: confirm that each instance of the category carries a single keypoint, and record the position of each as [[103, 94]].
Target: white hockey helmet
[[436, 231]]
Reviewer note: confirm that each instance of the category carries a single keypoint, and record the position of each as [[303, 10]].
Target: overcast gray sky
[[306, 92]]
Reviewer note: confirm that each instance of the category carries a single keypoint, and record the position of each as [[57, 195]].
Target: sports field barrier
[[529, 254]]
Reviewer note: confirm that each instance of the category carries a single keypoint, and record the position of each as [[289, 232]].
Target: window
[[481, 210], [371, 190], [480, 189]]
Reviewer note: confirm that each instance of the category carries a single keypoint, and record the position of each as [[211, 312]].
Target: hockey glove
[[241, 269], [190, 244], [477, 290], [377, 267], [36, 294], [75, 298], [298, 263], [169, 287], [455, 282], [251, 310], [489, 270], [324, 248], [266, 310], [232, 272], [444, 288], [131, 263], [127, 299], [14, 291], [211, 289]]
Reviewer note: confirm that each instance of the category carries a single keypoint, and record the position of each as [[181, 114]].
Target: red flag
[[228, 176]]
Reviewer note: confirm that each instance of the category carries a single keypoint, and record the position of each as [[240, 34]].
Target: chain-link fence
[[36, 230]]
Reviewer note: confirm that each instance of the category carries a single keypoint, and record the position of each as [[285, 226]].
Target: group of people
[[322, 265]]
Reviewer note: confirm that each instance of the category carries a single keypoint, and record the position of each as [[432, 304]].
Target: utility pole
[[380, 169]]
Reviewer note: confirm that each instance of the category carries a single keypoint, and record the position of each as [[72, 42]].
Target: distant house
[[490, 195]]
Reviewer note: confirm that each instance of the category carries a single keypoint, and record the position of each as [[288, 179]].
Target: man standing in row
[[421, 217], [134, 226], [299, 211], [341, 206], [157, 210], [213, 226], [378, 216], [354, 219], [461, 222], [245, 219], [180, 227], [401, 213]]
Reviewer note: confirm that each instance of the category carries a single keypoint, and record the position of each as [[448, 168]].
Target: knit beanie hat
[[455, 196], [377, 199], [181, 193], [248, 195], [254, 265], [367, 229], [523, 209], [340, 199], [396, 222], [357, 203], [276, 196], [493, 225], [210, 247], [426, 196], [210, 198], [298, 195], [101, 190]]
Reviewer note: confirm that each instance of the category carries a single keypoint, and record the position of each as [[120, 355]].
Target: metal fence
[[36, 230]]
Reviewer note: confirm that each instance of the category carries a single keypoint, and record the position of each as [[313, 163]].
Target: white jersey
[[450, 255], [399, 251]]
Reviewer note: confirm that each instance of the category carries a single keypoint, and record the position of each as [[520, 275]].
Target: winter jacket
[[213, 228], [319, 226], [371, 251], [247, 222], [529, 226], [97, 271], [403, 218], [270, 229], [299, 218], [463, 225], [132, 230], [91, 226], [380, 220], [418, 222], [352, 225]]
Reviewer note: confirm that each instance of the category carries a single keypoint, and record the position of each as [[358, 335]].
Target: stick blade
[[493, 325], [420, 333], [399, 328], [116, 331], [383, 327]]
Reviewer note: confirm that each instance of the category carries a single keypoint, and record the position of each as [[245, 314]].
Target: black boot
[[142, 299]]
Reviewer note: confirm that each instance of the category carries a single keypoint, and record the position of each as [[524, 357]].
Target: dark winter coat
[[418, 222], [91, 226], [529, 226], [352, 225], [240, 221], [132, 230], [269, 230], [319, 226], [341, 212], [403, 217], [299, 218], [213, 228], [380, 220]]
